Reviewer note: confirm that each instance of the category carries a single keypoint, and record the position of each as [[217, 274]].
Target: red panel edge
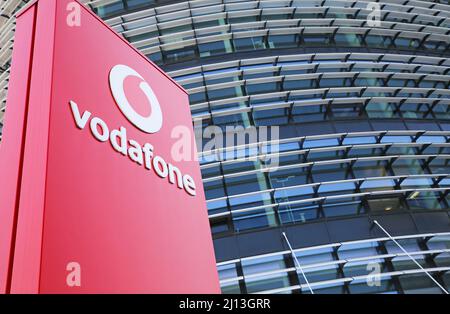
[[28, 246], [11, 149], [131, 46], [28, 6]]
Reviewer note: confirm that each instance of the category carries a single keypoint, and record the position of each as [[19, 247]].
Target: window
[[332, 172], [214, 48], [298, 84], [363, 169], [418, 284], [214, 189], [316, 39], [385, 205], [245, 183], [407, 166], [350, 206], [378, 41], [357, 249], [250, 200], [387, 286], [403, 262], [259, 88], [228, 272], [110, 9], [265, 265], [319, 273], [288, 177], [282, 41], [248, 44], [254, 219], [219, 226], [179, 55], [221, 93], [425, 201]]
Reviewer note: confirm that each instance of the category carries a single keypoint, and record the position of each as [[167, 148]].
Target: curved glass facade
[[364, 133]]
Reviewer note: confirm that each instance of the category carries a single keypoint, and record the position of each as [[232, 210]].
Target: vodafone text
[[140, 154]]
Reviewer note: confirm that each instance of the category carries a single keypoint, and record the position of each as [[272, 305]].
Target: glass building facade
[[364, 126]]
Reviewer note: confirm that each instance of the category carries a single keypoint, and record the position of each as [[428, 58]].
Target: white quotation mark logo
[[150, 124]]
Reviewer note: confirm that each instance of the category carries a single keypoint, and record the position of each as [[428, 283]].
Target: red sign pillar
[[94, 198]]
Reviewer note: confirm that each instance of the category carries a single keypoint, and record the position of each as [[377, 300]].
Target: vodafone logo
[[143, 154], [149, 124]]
